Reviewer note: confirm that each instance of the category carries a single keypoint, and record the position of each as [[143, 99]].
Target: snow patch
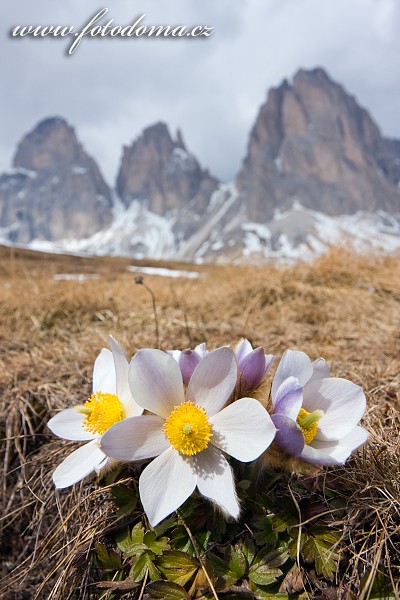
[[164, 272], [20, 171], [78, 170]]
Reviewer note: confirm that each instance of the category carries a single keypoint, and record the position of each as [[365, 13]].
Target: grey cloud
[[109, 90]]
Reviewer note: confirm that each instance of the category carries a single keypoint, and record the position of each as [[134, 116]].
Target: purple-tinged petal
[[243, 429], [165, 484], [289, 436], [252, 368], [156, 382], [293, 364], [213, 380], [243, 349], [188, 361], [215, 479], [104, 377], [67, 425], [136, 438], [342, 401], [289, 398]]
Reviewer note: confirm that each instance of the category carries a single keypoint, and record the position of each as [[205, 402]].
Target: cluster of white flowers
[[182, 409]]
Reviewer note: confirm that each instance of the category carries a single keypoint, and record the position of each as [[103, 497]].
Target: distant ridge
[[313, 154]]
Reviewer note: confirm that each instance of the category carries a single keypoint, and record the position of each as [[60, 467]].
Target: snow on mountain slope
[[224, 234]]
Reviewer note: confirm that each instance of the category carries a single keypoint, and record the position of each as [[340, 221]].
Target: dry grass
[[344, 307]]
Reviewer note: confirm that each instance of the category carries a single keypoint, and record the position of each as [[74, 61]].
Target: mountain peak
[[160, 171], [51, 144], [312, 142]]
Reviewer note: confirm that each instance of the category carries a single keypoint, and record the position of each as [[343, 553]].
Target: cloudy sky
[[212, 88]]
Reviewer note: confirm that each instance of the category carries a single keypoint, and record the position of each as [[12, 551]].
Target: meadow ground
[[343, 307]]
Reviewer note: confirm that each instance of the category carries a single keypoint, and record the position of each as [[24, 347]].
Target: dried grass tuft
[[343, 307]]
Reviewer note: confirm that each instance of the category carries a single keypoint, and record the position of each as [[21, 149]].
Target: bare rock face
[[55, 190], [160, 172], [314, 144]]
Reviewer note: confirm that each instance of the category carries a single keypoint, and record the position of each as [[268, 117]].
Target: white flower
[[316, 415], [188, 435], [111, 402]]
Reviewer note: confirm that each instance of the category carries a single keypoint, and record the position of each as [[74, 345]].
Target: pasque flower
[[252, 363], [188, 360], [190, 433], [110, 402], [316, 415]]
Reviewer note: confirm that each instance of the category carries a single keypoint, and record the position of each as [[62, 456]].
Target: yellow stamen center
[[188, 429], [102, 411], [309, 423]]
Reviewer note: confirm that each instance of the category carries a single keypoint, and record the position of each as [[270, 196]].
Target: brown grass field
[[344, 307]]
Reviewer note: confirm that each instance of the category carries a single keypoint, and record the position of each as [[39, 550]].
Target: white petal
[[243, 429], [165, 484], [327, 453], [293, 364], [342, 401], [215, 480], [156, 382], [201, 350], [67, 424], [175, 354], [136, 438], [122, 386], [320, 369], [243, 349], [78, 465], [213, 380], [104, 378]]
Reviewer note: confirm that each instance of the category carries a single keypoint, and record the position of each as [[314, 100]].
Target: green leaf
[[244, 484], [249, 550], [261, 594], [156, 546], [180, 540], [264, 570], [317, 545], [221, 569], [237, 562], [164, 526], [167, 590], [109, 560], [140, 565], [286, 516], [266, 535], [177, 566], [131, 542], [124, 498], [272, 557], [264, 575]]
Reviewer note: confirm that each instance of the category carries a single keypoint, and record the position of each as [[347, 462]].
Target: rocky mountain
[[317, 171], [54, 190], [159, 171], [313, 143]]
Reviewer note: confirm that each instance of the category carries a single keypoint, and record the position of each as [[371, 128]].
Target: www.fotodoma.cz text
[[108, 29]]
